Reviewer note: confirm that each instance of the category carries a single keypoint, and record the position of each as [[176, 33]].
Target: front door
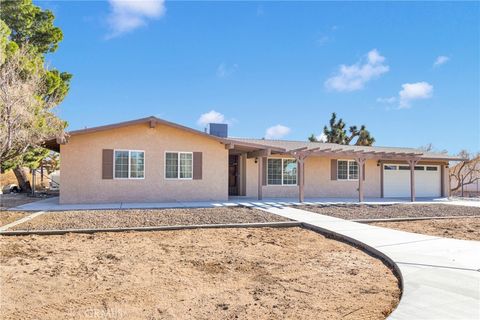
[[233, 175]]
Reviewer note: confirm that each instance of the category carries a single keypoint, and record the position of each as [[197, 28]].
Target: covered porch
[[241, 176]]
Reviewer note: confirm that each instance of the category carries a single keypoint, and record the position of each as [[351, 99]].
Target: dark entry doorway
[[233, 175]]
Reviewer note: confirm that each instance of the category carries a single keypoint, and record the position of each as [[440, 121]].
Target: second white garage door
[[396, 181]]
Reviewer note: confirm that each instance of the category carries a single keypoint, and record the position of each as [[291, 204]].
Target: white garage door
[[396, 181]]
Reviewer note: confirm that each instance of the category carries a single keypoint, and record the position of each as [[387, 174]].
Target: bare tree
[[465, 172], [18, 102], [431, 148], [26, 117]]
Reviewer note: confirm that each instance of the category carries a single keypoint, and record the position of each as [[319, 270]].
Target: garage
[[397, 181]]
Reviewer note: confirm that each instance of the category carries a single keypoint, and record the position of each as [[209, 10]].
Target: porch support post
[[301, 183], [360, 162], [412, 164], [260, 177]]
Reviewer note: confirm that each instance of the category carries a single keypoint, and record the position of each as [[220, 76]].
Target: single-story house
[[153, 160]]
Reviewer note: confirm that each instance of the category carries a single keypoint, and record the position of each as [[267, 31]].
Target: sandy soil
[[7, 217], [364, 211], [267, 273], [145, 218], [462, 228]]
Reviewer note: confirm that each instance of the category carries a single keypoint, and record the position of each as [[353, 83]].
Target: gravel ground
[[7, 217], [364, 211], [145, 218], [266, 273], [462, 228]]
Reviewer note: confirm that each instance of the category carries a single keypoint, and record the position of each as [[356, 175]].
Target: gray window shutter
[[264, 171], [197, 165], [364, 173], [333, 169], [107, 164]]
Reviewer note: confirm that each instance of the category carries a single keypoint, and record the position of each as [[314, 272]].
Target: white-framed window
[[129, 164], [347, 170], [179, 165], [281, 172], [390, 167]]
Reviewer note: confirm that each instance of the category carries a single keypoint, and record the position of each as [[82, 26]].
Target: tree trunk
[[22, 179]]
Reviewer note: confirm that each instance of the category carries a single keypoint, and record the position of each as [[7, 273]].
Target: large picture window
[[347, 170], [179, 165], [129, 164], [281, 172]]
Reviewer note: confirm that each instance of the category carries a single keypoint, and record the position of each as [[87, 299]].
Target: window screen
[[171, 165], [289, 171], [121, 164], [274, 171], [342, 171], [352, 170], [186, 165], [137, 164]]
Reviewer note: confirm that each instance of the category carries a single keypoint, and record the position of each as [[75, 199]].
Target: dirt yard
[[7, 217], [192, 274], [364, 211], [462, 228], [146, 218], [15, 199]]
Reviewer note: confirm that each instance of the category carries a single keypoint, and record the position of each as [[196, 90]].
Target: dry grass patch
[[462, 228], [7, 217], [146, 218], [365, 211], [262, 273]]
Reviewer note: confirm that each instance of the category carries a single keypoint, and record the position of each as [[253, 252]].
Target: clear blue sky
[[411, 70]]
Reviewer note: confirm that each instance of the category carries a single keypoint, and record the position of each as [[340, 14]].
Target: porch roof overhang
[[351, 153], [368, 154], [336, 151], [252, 150]]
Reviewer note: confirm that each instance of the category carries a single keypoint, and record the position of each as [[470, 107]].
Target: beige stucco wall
[[81, 167], [317, 181]]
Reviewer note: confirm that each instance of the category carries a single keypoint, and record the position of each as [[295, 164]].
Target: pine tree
[[27, 34]]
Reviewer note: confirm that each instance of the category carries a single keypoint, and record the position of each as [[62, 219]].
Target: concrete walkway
[[20, 221], [52, 204], [441, 277]]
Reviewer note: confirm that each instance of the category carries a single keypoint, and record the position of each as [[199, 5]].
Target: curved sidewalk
[[441, 277]]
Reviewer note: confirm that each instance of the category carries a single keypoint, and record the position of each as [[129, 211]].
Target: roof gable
[[151, 121]]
